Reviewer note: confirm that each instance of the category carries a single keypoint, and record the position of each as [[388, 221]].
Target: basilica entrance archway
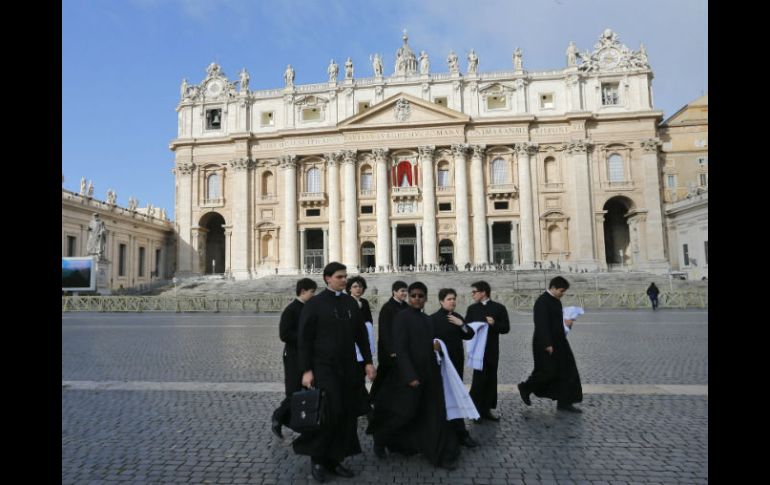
[[616, 234], [368, 259], [406, 239], [213, 251], [446, 252]]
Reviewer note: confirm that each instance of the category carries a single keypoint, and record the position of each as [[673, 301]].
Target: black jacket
[[453, 337], [478, 313]]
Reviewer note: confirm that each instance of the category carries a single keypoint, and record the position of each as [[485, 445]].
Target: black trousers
[[292, 382]]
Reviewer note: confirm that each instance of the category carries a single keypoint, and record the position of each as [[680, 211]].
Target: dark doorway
[[616, 234], [368, 255], [502, 249], [446, 252], [314, 249], [406, 240], [215, 243]]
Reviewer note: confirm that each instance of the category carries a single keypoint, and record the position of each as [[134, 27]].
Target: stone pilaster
[[241, 203], [583, 251], [183, 172], [288, 255], [526, 215], [652, 225]]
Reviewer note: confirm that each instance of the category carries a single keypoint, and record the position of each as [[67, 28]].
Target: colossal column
[[333, 179], [479, 207], [525, 204], [288, 256], [240, 249], [183, 171], [428, 205], [583, 250], [350, 249], [383, 208], [653, 226], [461, 209]]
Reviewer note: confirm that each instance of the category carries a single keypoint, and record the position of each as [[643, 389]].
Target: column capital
[[427, 151], [348, 156], [650, 144], [459, 150], [380, 154], [332, 159], [478, 150], [579, 146], [184, 168], [526, 148], [241, 164], [288, 162]]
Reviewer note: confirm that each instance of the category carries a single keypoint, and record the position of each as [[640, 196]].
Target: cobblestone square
[[187, 398]]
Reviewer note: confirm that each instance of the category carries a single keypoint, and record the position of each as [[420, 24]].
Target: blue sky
[[123, 60]]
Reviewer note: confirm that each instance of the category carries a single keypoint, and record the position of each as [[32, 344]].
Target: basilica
[[432, 164]]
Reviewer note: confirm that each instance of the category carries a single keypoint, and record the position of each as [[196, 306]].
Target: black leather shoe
[[490, 417], [569, 408], [469, 442], [341, 471], [318, 473], [524, 394], [448, 465], [276, 428], [379, 451]]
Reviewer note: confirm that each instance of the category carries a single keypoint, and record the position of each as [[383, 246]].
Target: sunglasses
[[417, 295]]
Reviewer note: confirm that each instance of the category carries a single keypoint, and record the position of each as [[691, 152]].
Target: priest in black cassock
[[385, 353], [555, 375], [330, 326], [287, 331], [449, 326], [484, 385], [412, 397]]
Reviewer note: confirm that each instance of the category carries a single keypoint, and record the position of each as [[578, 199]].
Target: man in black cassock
[[412, 397], [385, 353], [484, 385], [287, 331], [555, 375], [329, 328], [452, 330]]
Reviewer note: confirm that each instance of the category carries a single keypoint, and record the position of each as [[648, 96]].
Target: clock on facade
[[214, 88], [609, 58]]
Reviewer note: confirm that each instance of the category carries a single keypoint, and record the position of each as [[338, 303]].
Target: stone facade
[[687, 225], [423, 169], [685, 137], [130, 232]]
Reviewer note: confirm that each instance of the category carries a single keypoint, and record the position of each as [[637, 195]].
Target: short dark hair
[[417, 285], [356, 279], [397, 285], [306, 284], [444, 292], [482, 286], [558, 282], [332, 268]]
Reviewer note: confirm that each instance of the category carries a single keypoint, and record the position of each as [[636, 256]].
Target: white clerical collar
[[300, 300], [550, 292], [484, 302]]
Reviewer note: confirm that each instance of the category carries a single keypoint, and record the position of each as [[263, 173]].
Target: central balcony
[[400, 194], [312, 199], [502, 191]]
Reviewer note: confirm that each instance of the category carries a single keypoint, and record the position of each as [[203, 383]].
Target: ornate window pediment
[[495, 89], [312, 101]]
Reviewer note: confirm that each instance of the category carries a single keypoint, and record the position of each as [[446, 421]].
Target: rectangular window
[[267, 118], [367, 209], [501, 206], [706, 251], [313, 212], [496, 102], [443, 178], [703, 179], [703, 161], [546, 101], [440, 101], [72, 246], [686, 255], [363, 106], [122, 260], [366, 181], [445, 207], [141, 262], [157, 263], [610, 94], [214, 119], [671, 181], [311, 114]]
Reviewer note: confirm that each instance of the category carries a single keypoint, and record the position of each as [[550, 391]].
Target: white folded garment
[[476, 346], [456, 398], [370, 332]]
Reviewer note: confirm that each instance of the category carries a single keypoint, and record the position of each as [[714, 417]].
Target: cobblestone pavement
[[221, 437]]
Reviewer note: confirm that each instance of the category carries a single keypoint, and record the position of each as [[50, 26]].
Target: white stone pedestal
[[103, 277]]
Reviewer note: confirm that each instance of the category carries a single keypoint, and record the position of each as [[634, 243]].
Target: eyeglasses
[[475, 291], [417, 295]]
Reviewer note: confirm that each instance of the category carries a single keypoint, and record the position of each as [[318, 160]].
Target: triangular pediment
[[404, 110]]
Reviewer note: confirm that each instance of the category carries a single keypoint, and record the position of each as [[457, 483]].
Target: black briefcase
[[307, 410]]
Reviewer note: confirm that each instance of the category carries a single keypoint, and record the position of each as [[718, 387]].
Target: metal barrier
[[271, 303]]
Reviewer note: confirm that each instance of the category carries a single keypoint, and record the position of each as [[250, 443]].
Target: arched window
[[313, 181], [551, 171], [213, 187], [615, 168], [442, 179], [366, 177], [499, 172], [267, 183], [404, 174]]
